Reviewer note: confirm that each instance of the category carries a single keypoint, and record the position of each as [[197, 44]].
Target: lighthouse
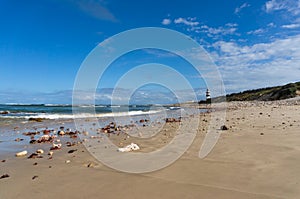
[[208, 99], [207, 94]]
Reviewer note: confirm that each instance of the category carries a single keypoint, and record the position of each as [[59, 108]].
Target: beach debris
[[85, 133], [33, 141], [34, 155], [67, 161], [19, 139], [45, 138], [3, 160], [90, 165], [46, 132], [34, 177], [31, 133], [40, 151], [69, 144], [61, 133], [50, 153], [35, 163], [4, 112], [224, 128], [36, 119], [169, 120], [4, 176], [55, 146], [130, 147], [21, 154], [74, 136], [72, 150]]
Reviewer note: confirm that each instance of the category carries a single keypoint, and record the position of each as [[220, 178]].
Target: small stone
[[32, 142], [36, 119], [61, 133], [90, 165], [34, 155], [72, 150], [224, 128], [3, 160], [50, 153], [85, 133], [19, 139], [46, 132], [4, 176], [35, 163], [55, 146], [67, 161], [261, 133]]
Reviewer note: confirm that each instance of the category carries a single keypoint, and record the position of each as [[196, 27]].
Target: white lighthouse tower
[[207, 95]]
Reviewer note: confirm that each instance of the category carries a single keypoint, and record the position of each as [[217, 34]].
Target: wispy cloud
[[158, 53], [257, 31], [192, 25], [291, 26], [96, 9], [291, 6], [227, 30], [240, 8], [272, 25], [186, 21], [166, 22]]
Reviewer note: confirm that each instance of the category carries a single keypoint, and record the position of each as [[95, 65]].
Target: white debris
[[22, 153], [40, 151], [130, 147]]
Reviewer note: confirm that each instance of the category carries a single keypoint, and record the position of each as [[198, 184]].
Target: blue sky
[[43, 42]]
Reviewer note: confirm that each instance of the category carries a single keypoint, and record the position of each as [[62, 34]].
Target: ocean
[[67, 111]]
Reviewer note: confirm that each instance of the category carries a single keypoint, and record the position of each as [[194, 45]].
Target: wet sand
[[257, 157]]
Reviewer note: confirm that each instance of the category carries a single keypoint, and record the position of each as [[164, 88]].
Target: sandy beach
[[257, 157]]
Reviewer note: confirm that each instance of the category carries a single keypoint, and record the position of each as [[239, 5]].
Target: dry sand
[[258, 157]]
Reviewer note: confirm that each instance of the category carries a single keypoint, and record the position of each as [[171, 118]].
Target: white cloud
[[258, 65], [214, 32], [256, 32], [166, 21], [231, 24], [271, 25], [292, 6], [189, 21], [219, 30], [238, 9], [274, 5], [95, 9], [291, 26]]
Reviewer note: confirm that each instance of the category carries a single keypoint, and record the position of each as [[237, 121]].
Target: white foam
[[83, 115]]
